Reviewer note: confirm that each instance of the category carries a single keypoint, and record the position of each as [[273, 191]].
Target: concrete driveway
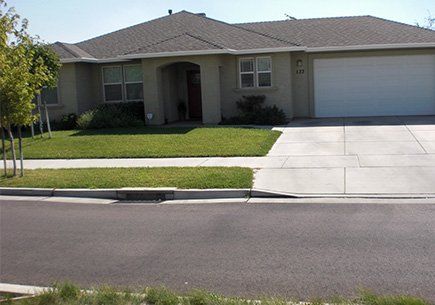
[[381, 155]]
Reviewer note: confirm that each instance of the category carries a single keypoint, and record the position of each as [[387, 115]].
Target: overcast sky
[[77, 20]]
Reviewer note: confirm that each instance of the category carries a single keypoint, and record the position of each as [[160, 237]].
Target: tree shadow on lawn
[[134, 131]]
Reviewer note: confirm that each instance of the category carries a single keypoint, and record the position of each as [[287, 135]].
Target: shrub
[[66, 122], [112, 115], [252, 111], [161, 296], [368, 298]]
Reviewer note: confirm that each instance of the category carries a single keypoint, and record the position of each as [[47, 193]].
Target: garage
[[374, 86]]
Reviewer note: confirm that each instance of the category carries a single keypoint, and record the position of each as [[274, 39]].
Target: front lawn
[[151, 142], [181, 177]]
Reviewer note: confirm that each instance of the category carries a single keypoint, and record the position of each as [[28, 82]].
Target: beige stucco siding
[[279, 94], [67, 93], [309, 82], [86, 89], [77, 90]]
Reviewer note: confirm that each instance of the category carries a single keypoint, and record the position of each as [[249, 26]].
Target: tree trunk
[[41, 127], [20, 147], [4, 151], [14, 155], [47, 120]]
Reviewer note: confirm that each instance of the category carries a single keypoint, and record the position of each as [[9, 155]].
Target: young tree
[[26, 66]]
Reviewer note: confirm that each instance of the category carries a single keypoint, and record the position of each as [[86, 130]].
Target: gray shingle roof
[[183, 42], [185, 31], [189, 30], [343, 31], [67, 50]]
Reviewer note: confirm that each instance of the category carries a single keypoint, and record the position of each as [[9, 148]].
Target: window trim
[[259, 72], [255, 72], [127, 83], [242, 73], [121, 83], [58, 97]]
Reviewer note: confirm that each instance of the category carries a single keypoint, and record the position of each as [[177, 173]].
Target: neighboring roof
[[188, 32], [343, 31]]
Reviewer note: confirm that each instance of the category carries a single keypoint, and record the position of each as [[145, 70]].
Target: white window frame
[[259, 72], [126, 83], [255, 72], [243, 73], [121, 83]]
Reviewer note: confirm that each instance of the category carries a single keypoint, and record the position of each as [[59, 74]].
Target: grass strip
[[180, 177]]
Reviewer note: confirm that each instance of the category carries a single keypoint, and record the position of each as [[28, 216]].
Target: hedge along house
[[327, 67]]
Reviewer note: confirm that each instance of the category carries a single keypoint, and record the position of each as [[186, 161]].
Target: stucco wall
[[279, 94], [67, 93], [77, 91], [86, 89], [170, 93]]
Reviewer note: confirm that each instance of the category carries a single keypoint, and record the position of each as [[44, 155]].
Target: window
[[133, 83], [123, 83], [264, 71], [255, 72], [112, 82], [49, 96], [247, 73]]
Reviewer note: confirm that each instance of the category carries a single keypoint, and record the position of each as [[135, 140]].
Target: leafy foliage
[[26, 66], [252, 111]]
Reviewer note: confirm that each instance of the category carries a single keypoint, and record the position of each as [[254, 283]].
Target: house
[[324, 67]]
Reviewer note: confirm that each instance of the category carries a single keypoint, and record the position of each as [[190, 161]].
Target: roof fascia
[[126, 58]]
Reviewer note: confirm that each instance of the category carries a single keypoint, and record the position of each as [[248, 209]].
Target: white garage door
[[374, 86]]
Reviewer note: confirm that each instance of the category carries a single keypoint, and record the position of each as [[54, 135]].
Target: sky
[[76, 20]]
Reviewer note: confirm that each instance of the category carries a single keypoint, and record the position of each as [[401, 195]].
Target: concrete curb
[[170, 194], [22, 289], [130, 194]]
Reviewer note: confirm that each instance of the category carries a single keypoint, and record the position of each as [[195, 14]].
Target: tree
[[289, 17], [429, 22], [26, 66]]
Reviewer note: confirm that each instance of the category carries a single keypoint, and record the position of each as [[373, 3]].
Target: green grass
[[68, 294], [151, 142], [181, 177]]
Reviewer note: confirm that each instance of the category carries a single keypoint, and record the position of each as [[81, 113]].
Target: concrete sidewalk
[[270, 162]]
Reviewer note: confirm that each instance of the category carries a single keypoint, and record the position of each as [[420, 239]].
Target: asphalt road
[[293, 250]]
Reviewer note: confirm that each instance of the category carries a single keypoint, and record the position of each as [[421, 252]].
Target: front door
[[194, 94]]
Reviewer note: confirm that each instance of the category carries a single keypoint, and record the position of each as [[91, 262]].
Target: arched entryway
[[181, 92]]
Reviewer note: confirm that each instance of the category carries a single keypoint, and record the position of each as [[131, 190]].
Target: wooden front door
[[194, 94]]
